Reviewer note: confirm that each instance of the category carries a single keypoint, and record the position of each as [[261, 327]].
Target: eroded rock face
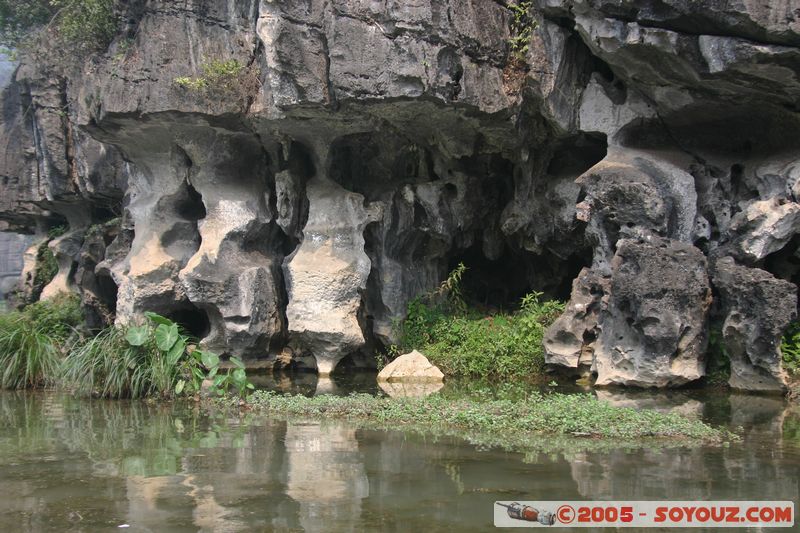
[[757, 308], [765, 227], [569, 342], [654, 334], [326, 274], [366, 148]]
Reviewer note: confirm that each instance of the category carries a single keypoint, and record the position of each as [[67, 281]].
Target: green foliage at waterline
[[790, 349], [41, 346], [462, 341], [33, 341], [155, 358], [521, 419]]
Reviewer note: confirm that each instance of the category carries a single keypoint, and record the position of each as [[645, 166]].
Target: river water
[[69, 464]]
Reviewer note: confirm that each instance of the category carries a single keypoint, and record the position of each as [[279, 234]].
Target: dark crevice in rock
[[191, 207], [785, 263], [192, 319]]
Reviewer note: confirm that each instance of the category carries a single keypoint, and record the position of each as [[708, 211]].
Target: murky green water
[[80, 465]]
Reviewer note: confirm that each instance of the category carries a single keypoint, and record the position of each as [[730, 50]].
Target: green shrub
[[464, 342], [83, 25], [34, 340], [153, 359], [790, 349], [106, 365], [19, 17], [86, 24], [223, 79], [522, 26]]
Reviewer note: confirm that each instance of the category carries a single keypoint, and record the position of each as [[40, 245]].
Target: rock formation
[[410, 367], [360, 150]]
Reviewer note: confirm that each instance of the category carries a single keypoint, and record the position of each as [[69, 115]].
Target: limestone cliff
[[642, 152]]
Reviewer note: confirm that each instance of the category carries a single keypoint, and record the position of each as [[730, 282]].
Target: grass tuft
[[108, 366], [33, 341]]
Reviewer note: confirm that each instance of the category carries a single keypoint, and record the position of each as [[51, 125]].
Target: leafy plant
[[81, 25], [155, 358], [86, 24], [790, 348], [235, 378], [384, 357], [522, 26], [19, 17]]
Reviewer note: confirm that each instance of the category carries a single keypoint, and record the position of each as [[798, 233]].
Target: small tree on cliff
[[18, 18], [83, 24]]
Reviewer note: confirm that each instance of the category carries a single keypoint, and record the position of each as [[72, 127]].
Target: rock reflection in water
[[399, 389], [326, 474], [69, 464], [663, 401], [761, 467], [310, 384]]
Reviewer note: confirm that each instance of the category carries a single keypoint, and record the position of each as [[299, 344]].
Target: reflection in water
[[765, 467], [326, 474], [309, 384], [679, 402], [396, 389], [79, 465]]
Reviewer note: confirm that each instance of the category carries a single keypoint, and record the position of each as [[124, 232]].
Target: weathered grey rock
[[234, 275], [66, 250], [756, 308], [634, 194], [569, 341], [12, 250], [97, 288], [411, 367], [765, 227], [653, 329]]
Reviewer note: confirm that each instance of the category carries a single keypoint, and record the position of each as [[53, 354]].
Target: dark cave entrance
[[490, 284], [193, 319], [500, 284], [785, 263], [107, 291]]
